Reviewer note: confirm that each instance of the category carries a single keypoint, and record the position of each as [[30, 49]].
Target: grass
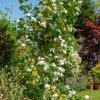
[[93, 94]]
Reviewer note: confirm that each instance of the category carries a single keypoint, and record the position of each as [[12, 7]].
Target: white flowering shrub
[[51, 55]]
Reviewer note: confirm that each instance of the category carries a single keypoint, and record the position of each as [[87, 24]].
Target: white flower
[[63, 41], [65, 11], [56, 57], [43, 24], [33, 19], [23, 44], [61, 3], [57, 73], [26, 26], [73, 92], [61, 62], [55, 8], [55, 79], [50, 55], [28, 14], [80, 1], [70, 95], [40, 15], [67, 87], [64, 51], [61, 75], [17, 21], [40, 58], [46, 67], [53, 64], [28, 70], [55, 95], [47, 86], [55, 39], [86, 97], [61, 69], [32, 66], [77, 13], [52, 50], [26, 36], [63, 45], [59, 37], [54, 5], [41, 63]]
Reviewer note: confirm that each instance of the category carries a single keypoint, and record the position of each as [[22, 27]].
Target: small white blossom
[[28, 70], [67, 87], [33, 19], [32, 66], [63, 45], [47, 86], [56, 57], [80, 2], [46, 67], [86, 97], [59, 37], [61, 62], [55, 79], [61, 69], [53, 64], [61, 3], [43, 24], [54, 5], [23, 44], [40, 58], [64, 51], [55, 95], [50, 55], [28, 14], [57, 73], [61, 75], [40, 15], [17, 21], [73, 92], [26, 26], [52, 50], [70, 95], [41, 63], [65, 11]]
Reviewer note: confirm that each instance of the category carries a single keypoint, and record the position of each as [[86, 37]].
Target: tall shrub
[[7, 39], [51, 54]]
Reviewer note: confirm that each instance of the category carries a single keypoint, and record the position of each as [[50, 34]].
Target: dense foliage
[[7, 38], [89, 43], [48, 35]]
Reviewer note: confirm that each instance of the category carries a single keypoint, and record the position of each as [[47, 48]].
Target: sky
[[13, 5]]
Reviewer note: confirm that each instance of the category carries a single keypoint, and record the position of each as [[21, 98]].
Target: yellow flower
[[53, 88], [64, 29], [33, 82], [34, 72]]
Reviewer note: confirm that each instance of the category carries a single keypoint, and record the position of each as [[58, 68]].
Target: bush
[[7, 39], [52, 55], [78, 83], [96, 71], [10, 87]]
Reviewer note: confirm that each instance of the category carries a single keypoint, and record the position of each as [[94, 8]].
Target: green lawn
[[93, 94]]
